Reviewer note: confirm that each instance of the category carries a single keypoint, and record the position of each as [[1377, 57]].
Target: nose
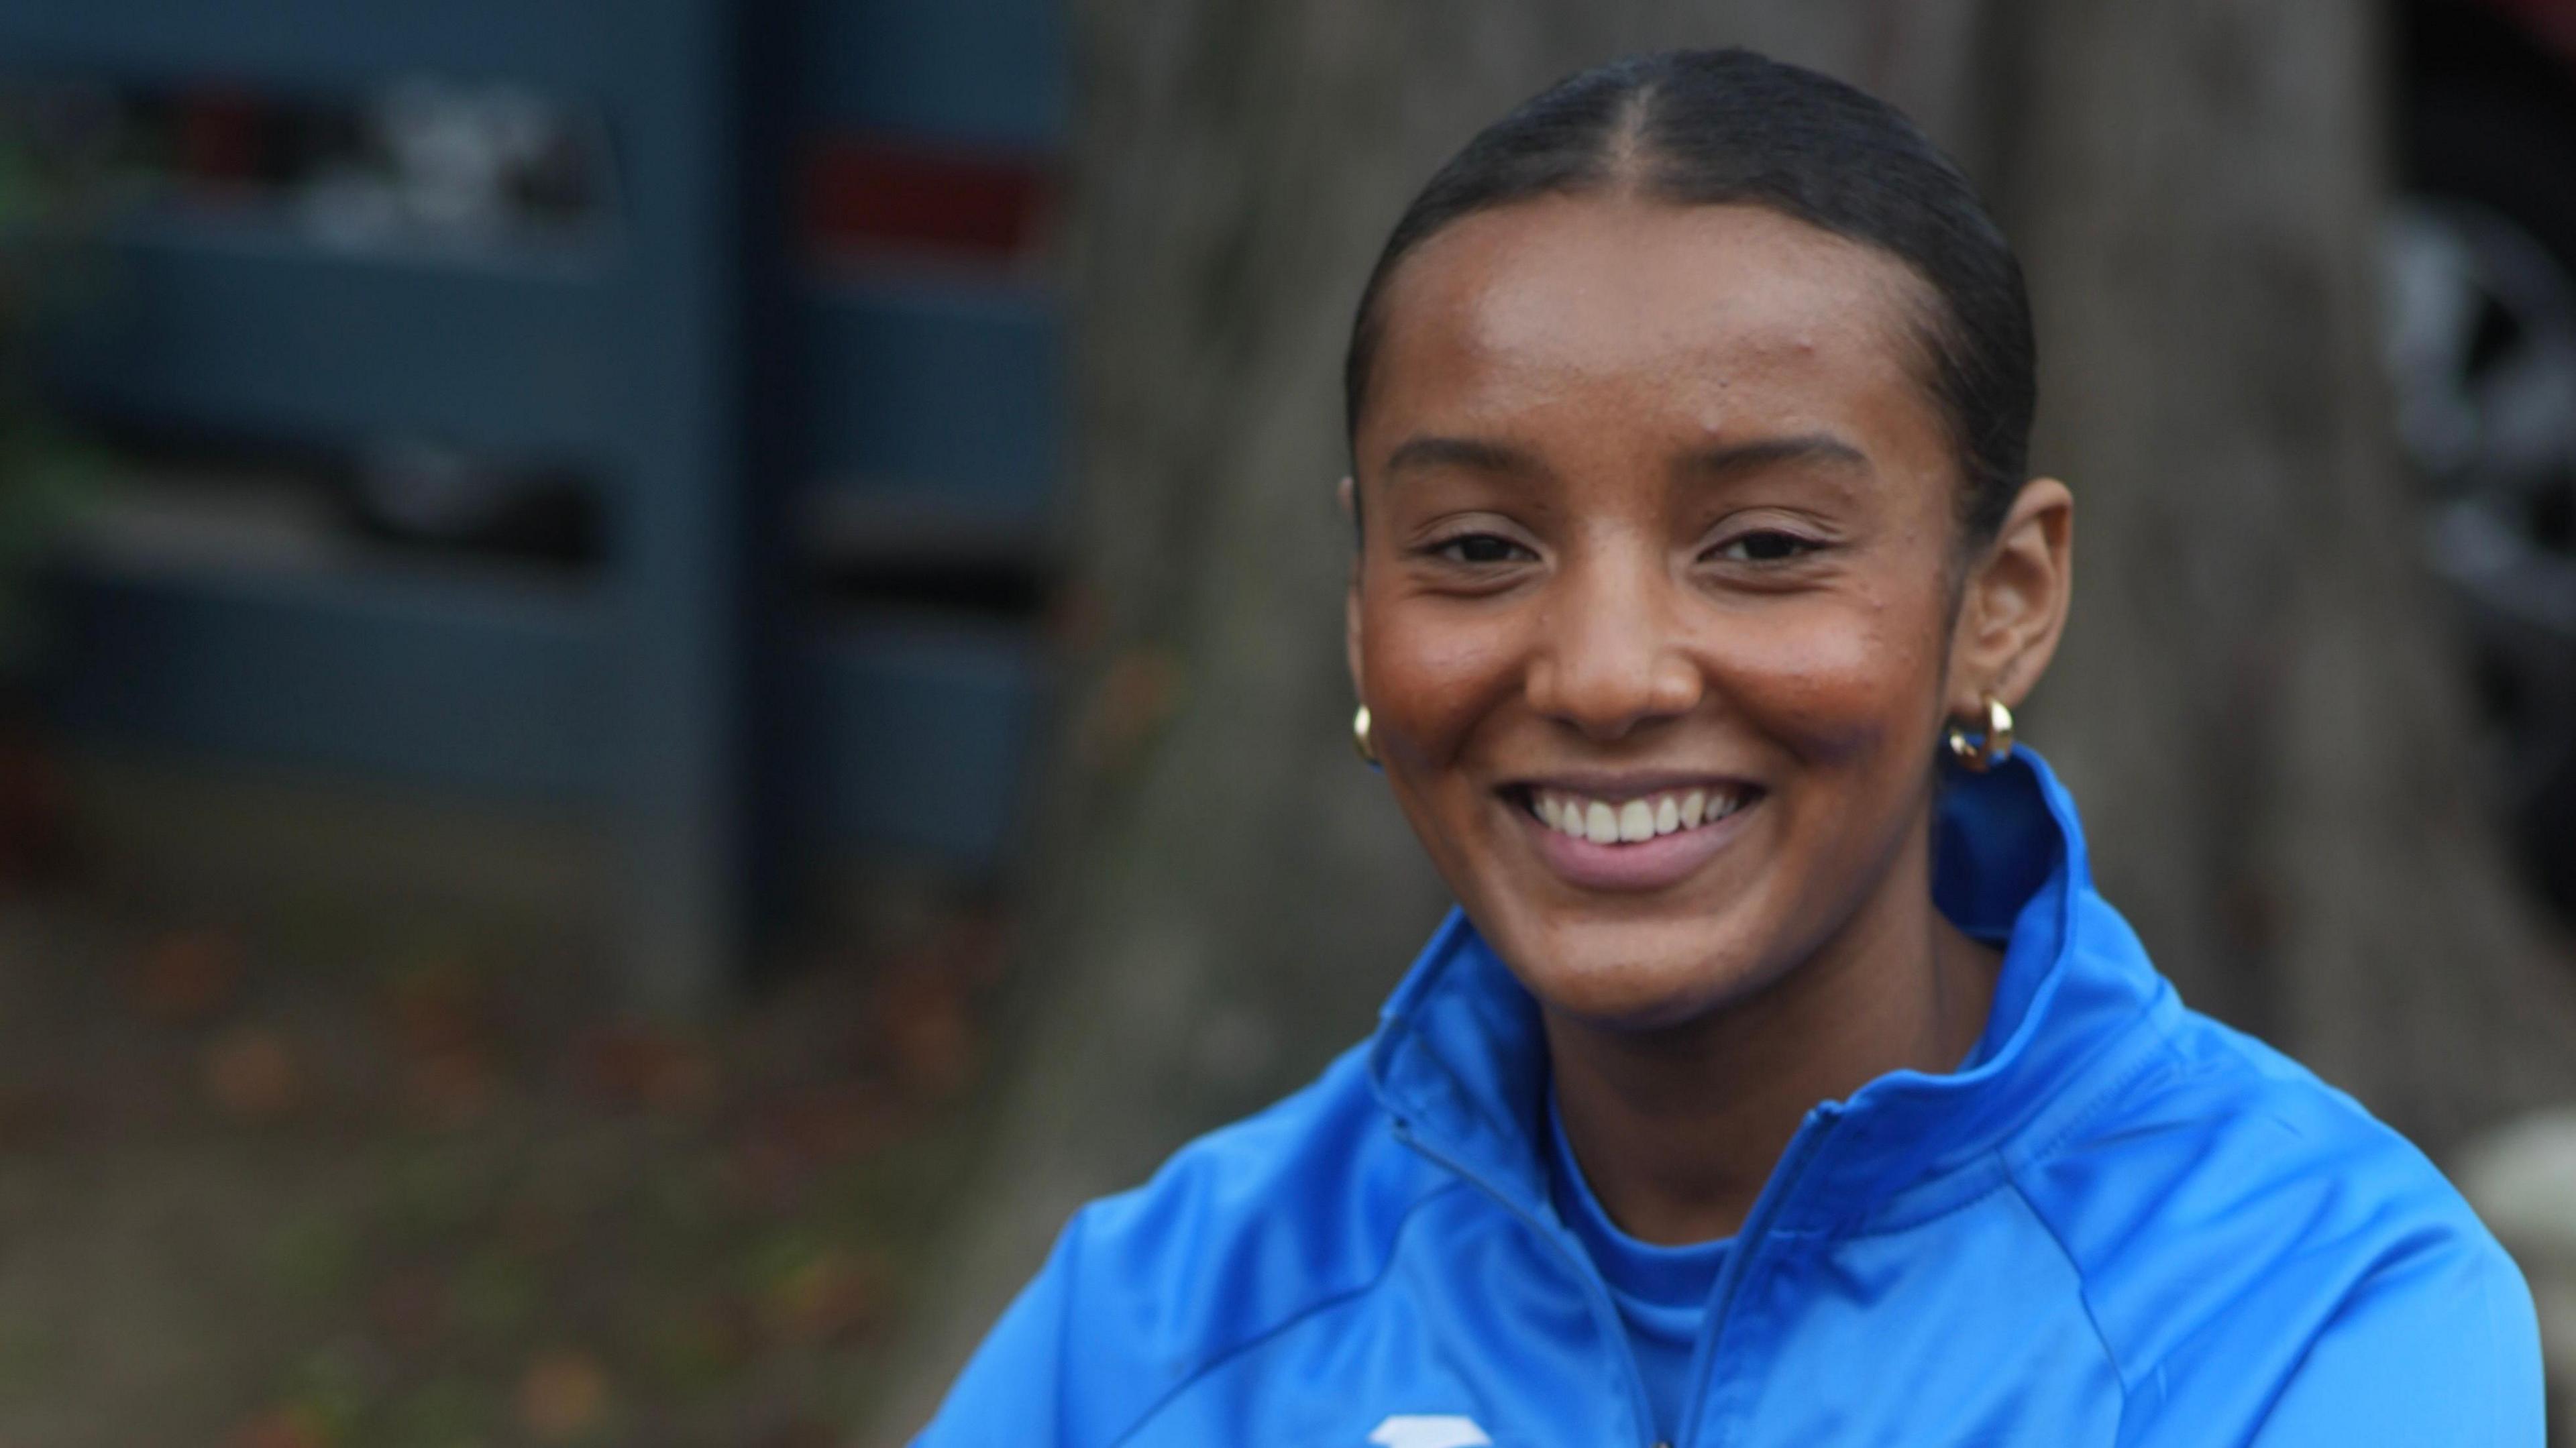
[[1609, 658]]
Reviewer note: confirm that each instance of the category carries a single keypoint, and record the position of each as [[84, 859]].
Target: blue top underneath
[[2120, 1224], [1662, 1292]]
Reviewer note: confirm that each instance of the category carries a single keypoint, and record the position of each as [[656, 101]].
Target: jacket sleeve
[[2441, 1349], [1012, 1389]]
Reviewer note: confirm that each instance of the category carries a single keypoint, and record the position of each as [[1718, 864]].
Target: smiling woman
[[1780, 1078]]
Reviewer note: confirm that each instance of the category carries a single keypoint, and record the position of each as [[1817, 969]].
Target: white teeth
[[1599, 825], [1636, 821], [1631, 821]]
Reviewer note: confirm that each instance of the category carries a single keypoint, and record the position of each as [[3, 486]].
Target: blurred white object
[[462, 154], [2522, 1180]]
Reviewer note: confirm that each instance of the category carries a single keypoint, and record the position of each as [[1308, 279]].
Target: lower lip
[[1645, 865]]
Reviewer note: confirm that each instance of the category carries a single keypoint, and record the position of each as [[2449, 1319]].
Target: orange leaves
[[925, 1011], [631, 1064], [616, 1224], [250, 1073], [282, 1428], [924, 1024], [563, 1397], [444, 1028], [186, 977]]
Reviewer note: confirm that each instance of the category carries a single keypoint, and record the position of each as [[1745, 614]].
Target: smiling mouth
[[1637, 818]]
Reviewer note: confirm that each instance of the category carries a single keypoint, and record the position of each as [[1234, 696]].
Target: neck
[[1677, 1129]]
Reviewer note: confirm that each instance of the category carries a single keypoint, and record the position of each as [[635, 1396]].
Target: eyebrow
[[1728, 459], [1478, 454], [1724, 460]]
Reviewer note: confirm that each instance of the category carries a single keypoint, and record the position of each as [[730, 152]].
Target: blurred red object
[[863, 194], [224, 136]]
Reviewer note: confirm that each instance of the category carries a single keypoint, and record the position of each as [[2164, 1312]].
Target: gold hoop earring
[[1360, 741], [1979, 753]]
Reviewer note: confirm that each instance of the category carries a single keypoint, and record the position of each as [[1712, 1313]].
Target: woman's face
[[1660, 528]]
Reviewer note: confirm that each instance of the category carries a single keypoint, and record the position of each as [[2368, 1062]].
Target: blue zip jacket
[[2120, 1223]]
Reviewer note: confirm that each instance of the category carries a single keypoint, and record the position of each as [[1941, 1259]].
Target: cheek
[[1431, 672], [1833, 678]]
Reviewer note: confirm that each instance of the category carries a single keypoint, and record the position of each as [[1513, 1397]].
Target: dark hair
[[1711, 127]]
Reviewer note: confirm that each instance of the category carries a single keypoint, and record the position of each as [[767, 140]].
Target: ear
[[1348, 496], [2012, 606]]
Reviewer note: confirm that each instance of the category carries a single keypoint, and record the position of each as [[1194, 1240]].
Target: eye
[[1481, 548], [1765, 546]]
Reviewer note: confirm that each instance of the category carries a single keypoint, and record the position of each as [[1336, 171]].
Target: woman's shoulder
[[1321, 1163], [2233, 1216], [1240, 1234], [2222, 1114]]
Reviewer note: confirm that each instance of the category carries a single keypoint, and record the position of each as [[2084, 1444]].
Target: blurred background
[[671, 671]]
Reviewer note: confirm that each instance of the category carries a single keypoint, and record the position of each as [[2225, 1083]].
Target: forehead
[[1713, 318]]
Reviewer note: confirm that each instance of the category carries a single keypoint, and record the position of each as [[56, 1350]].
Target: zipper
[[1605, 1313], [1757, 1225]]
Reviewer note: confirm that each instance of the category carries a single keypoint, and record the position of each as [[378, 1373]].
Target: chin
[[1633, 976]]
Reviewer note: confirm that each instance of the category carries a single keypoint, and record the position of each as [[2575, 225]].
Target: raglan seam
[[1394, 1242], [2083, 1284], [2165, 1053]]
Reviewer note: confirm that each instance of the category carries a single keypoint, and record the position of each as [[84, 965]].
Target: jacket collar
[[1460, 1062]]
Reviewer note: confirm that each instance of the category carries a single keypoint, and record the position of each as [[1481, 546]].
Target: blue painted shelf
[[641, 351]]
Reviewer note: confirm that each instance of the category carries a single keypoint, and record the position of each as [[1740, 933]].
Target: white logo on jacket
[[1430, 1430]]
